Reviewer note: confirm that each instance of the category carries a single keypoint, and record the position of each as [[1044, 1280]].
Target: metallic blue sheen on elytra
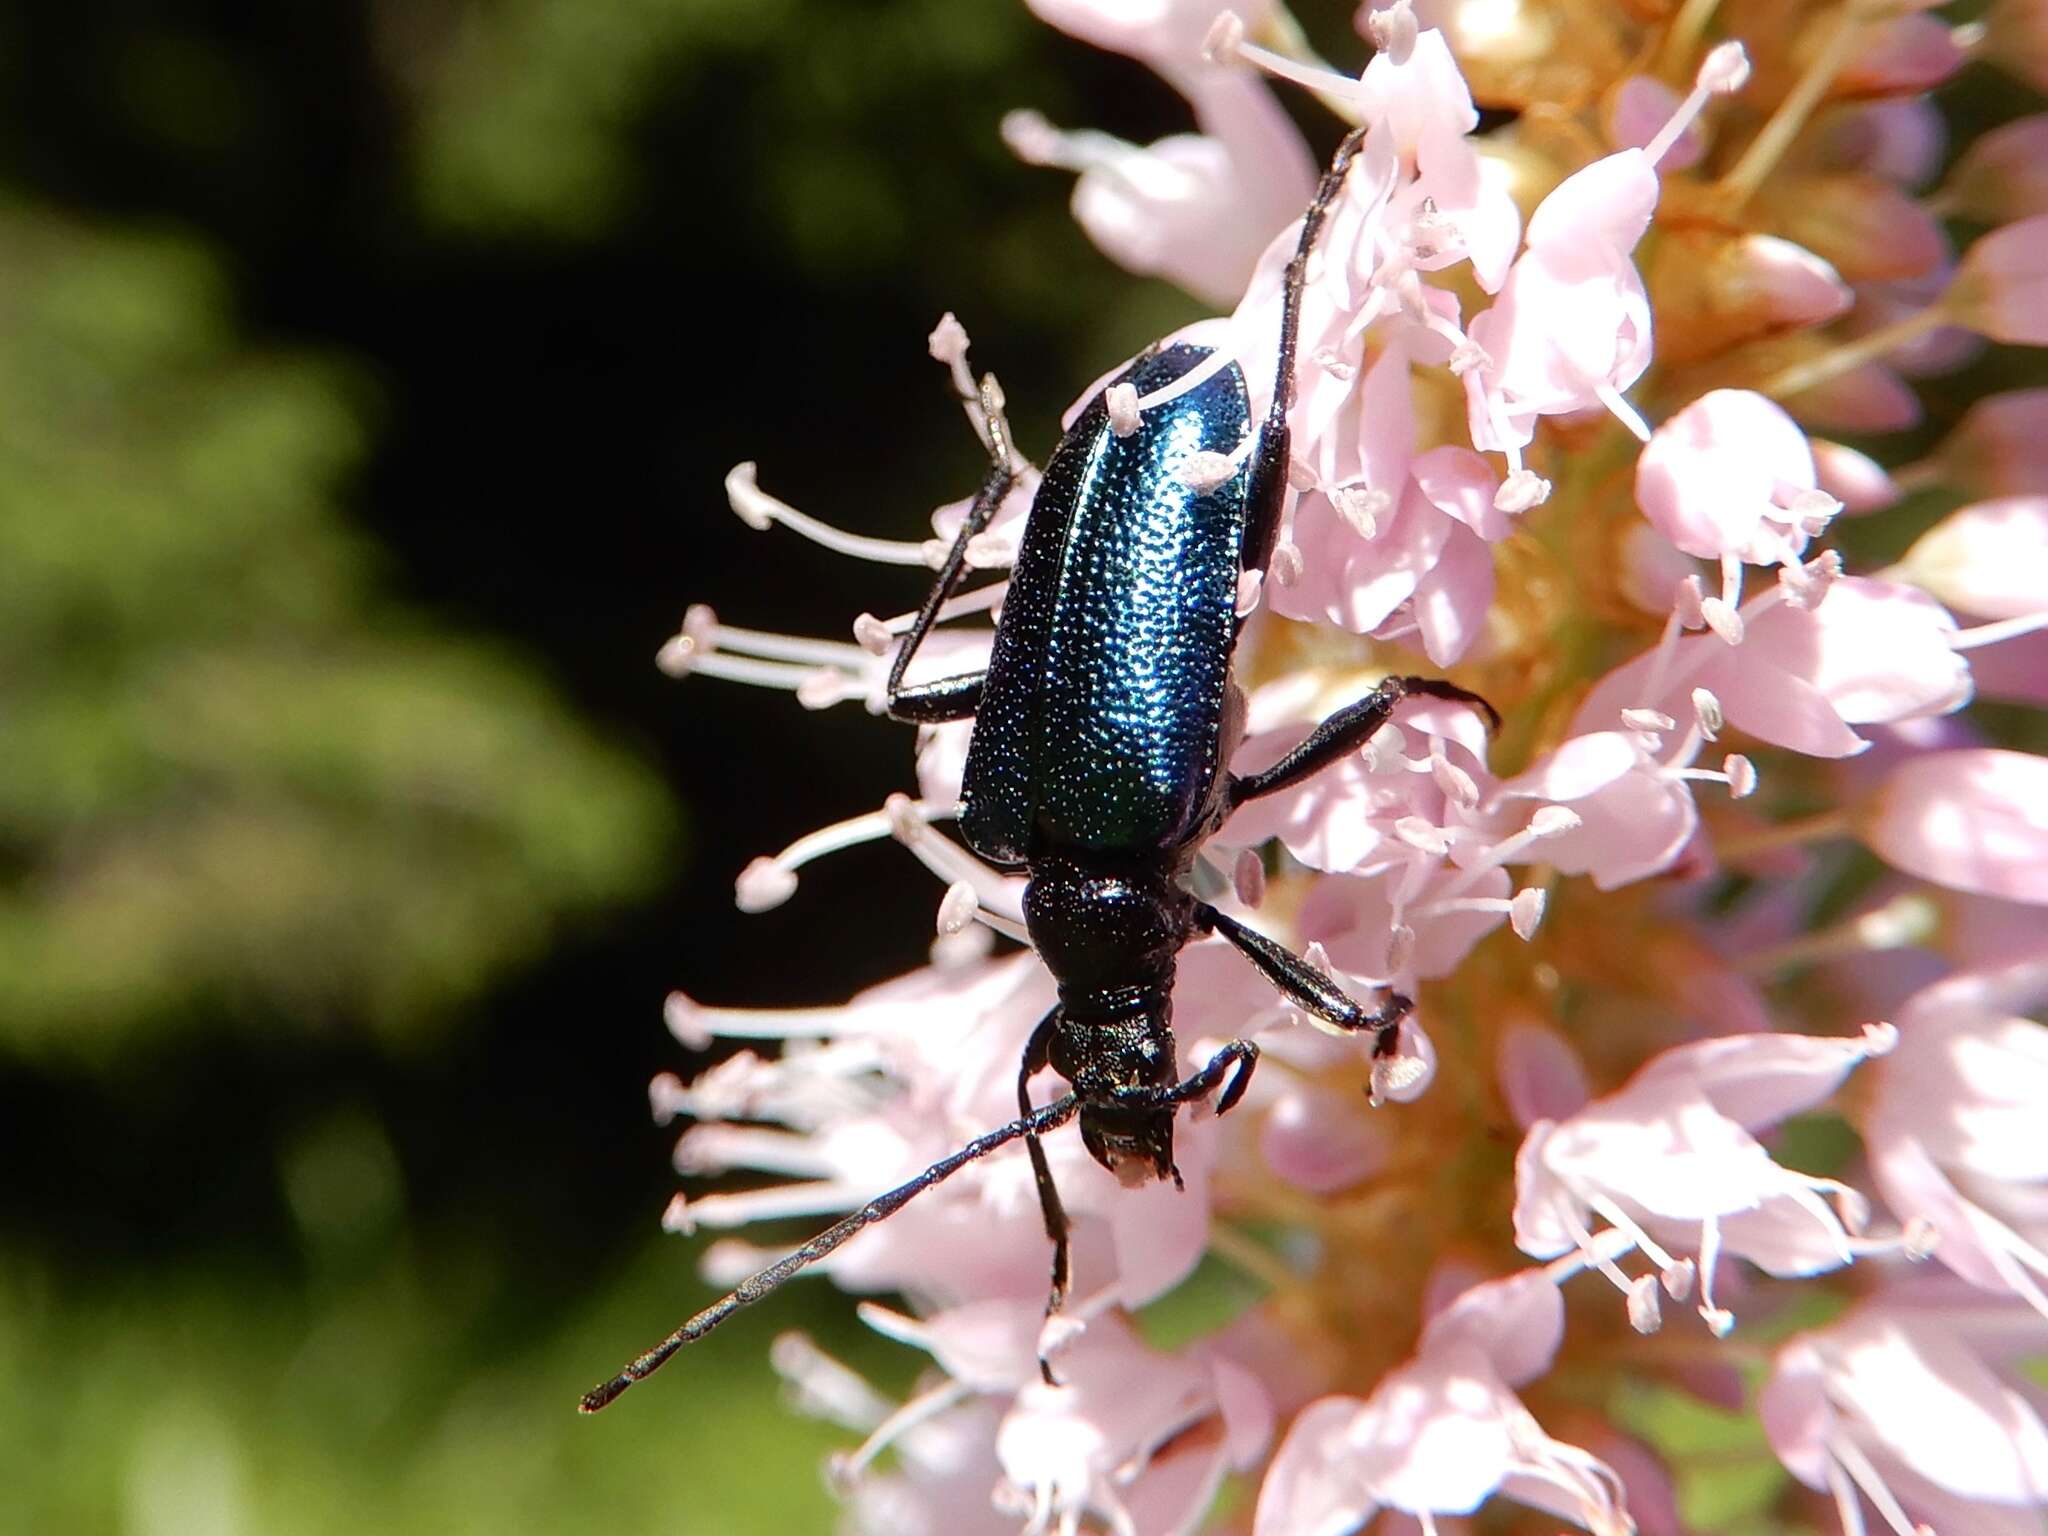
[[1101, 720]]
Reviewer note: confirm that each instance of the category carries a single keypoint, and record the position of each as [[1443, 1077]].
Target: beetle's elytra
[[1103, 727]]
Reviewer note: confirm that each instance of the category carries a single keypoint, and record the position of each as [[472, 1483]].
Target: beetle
[[1103, 725]]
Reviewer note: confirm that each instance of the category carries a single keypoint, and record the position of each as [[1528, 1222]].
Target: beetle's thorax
[[1110, 937]]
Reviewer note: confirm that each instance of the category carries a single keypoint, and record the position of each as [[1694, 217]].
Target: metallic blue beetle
[[1103, 727]]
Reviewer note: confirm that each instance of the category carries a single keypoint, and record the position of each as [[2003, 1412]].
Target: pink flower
[[1954, 1127], [1197, 209], [1899, 1404], [1731, 475], [1671, 1158], [1132, 1437], [1974, 820], [1445, 1432]]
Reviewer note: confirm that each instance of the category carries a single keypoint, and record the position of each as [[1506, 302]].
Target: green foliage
[[239, 778]]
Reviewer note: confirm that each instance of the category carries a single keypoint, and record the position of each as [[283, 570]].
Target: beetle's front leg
[[1037, 1057], [954, 698], [1309, 988], [1344, 733]]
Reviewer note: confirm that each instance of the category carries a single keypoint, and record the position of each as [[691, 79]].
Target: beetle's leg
[[1269, 459], [954, 698], [1234, 1060], [1037, 1057], [1344, 732], [1307, 987]]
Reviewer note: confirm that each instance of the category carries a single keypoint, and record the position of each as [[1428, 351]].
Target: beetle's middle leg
[[1343, 733], [1037, 1057], [954, 698], [1308, 988]]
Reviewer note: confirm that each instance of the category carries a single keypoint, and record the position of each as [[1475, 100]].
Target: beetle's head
[[1134, 1144]]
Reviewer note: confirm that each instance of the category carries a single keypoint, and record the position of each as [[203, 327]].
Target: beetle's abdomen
[[1099, 723]]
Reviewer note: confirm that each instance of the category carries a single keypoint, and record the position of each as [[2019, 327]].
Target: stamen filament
[[2004, 629], [757, 509], [1852, 354], [1776, 136]]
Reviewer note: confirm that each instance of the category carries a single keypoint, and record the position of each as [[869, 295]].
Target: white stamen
[[1286, 566], [1522, 489], [1647, 720], [763, 885], [990, 551], [872, 635], [2004, 629], [1707, 715], [1468, 357], [1226, 37], [1689, 603], [758, 510], [1360, 507], [1619, 408], [1248, 878], [1204, 470], [822, 1387], [1722, 619], [1193, 379], [999, 898], [1741, 773], [1525, 912], [677, 1217], [957, 907], [1250, 586], [1393, 31], [1420, 833], [1725, 69], [1400, 949], [957, 951], [1645, 1310], [1393, 1076], [1121, 401], [1454, 781], [981, 600], [1720, 1322]]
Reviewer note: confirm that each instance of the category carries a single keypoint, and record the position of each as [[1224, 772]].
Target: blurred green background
[[368, 370]]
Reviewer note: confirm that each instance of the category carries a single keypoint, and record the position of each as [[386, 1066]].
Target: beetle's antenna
[[1297, 269], [1057, 1113]]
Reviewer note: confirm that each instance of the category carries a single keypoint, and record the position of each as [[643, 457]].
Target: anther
[[1248, 877], [1522, 489], [1741, 774], [957, 907], [872, 635], [1204, 470], [1250, 585], [1645, 1310], [1286, 566], [1525, 912], [1721, 619], [1225, 39], [1393, 31], [1647, 720], [1121, 401], [1706, 710]]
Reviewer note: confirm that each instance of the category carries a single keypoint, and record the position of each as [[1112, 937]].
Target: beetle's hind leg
[[1037, 1057], [955, 698], [1344, 733], [1307, 987]]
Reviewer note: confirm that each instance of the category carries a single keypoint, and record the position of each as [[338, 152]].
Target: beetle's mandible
[[1104, 724]]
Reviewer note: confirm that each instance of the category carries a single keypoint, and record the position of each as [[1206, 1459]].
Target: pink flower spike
[[2001, 288], [1444, 1433], [1975, 820], [1990, 559]]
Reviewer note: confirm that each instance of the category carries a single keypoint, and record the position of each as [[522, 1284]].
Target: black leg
[[1268, 489], [1037, 1057], [1346, 731], [954, 698], [1308, 988], [1236, 1060]]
